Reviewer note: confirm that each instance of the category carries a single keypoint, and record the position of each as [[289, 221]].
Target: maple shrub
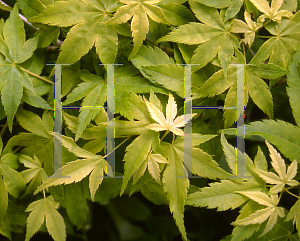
[[158, 188]]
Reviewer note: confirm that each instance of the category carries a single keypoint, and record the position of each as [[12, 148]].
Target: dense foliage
[[153, 39]]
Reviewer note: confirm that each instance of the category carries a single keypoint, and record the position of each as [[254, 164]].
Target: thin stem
[[37, 76], [173, 138], [118, 145], [251, 52], [291, 193], [3, 129], [20, 147], [244, 51], [166, 49], [280, 195], [260, 36], [166, 133], [44, 193]]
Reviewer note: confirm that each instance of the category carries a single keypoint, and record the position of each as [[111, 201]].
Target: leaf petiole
[[166, 133], [291, 193], [37, 76]]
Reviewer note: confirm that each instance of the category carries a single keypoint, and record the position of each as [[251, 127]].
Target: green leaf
[[3, 202], [93, 90], [76, 204], [216, 3], [177, 14], [272, 13], [222, 195], [133, 158], [45, 209], [139, 11], [13, 180], [294, 214], [279, 49], [271, 212], [13, 76], [255, 87], [293, 89], [241, 232], [169, 76], [88, 18], [75, 171], [202, 163], [281, 134], [212, 36], [175, 188], [36, 175]]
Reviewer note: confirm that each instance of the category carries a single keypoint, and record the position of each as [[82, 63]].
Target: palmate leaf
[[271, 12], [293, 89], [241, 232], [139, 11], [279, 49], [248, 29], [75, 171], [45, 209], [14, 77], [212, 36], [151, 163], [255, 86], [169, 123], [284, 177], [271, 212], [88, 17], [36, 174]]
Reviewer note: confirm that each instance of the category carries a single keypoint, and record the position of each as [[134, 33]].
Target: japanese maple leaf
[[168, 123], [284, 177], [272, 211], [152, 163], [271, 12], [89, 17], [248, 29], [212, 37], [138, 10], [14, 52]]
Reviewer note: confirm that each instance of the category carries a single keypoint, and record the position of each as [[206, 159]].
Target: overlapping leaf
[[88, 17], [212, 36], [36, 174], [138, 10], [248, 29], [93, 90], [279, 48], [255, 86], [14, 77], [45, 210], [75, 171], [151, 163], [271, 12], [284, 177], [271, 212], [283, 135]]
